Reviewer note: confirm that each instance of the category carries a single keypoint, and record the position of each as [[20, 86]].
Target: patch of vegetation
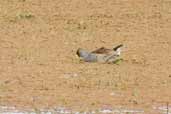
[[118, 61], [20, 16], [75, 25], [25, 15]]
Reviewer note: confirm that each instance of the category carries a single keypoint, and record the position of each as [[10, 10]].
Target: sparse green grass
[[20, 16], [118, 61], [25, 15], [74, 25]]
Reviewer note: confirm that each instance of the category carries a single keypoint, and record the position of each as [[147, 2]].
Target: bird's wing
[[101, 50]]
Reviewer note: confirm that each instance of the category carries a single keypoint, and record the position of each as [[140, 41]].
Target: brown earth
[[38, 62]]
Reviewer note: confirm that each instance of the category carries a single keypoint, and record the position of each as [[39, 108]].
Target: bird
[[101, 55]]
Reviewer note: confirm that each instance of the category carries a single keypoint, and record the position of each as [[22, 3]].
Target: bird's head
[[117, 49]]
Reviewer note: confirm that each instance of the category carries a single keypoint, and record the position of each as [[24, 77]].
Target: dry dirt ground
[[38, 63]]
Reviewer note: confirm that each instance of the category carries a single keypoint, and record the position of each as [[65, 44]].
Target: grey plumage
[[86, 56], [102, 54]]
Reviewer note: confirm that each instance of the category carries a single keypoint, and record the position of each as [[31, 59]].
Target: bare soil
[[38, 63]]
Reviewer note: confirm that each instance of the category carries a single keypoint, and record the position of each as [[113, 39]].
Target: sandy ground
[[38, 63]]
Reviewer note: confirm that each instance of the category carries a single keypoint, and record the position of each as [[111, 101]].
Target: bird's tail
[[117, 47]]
